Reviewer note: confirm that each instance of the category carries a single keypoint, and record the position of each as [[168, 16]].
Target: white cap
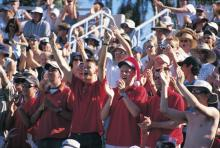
[[164, 58], [70, 143], [55, 65], [130, 23], [56, 12], [37, 10], [167, 20]]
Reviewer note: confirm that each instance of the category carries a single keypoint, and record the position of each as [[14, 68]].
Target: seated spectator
[[37, 25], [188, 39]]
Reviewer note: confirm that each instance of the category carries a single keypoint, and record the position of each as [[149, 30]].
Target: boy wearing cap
[[202, 121], [159, 123], [124, 106], [19, 114], [37, 25], [52, 118]]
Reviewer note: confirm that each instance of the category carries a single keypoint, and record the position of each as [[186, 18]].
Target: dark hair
[[195, 68], [99, 3], [15, 22]]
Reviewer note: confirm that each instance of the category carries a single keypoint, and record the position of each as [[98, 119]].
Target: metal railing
[[141, 37], [85, 23]]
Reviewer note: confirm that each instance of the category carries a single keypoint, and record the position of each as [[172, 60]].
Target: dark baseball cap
[[190, 61], [32, 80]]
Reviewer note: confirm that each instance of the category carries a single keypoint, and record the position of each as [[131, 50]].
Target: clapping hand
[[145, 125]]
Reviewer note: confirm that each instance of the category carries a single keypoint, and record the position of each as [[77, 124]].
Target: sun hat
[[201, 84], [188, 34], [167, 20], [94, 38], [204, 50], [129, 23]]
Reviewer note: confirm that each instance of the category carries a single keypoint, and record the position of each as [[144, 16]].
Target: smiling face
[[127, 74], [90, 70]]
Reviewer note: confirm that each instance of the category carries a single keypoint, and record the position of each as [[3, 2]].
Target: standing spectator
[[185, 10], [202, 120], [124, 106], [20, 14], [89, 92], [52, 117], [128, 26], [37, 25], [19, 116], [161, 124], [69, 13]]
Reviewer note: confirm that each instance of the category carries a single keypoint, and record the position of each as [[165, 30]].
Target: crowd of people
[[110, 92]]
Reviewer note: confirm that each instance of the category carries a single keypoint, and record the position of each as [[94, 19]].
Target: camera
[[164, 45]]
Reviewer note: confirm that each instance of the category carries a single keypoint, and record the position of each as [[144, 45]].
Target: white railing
[[141, 37], [85, 23]]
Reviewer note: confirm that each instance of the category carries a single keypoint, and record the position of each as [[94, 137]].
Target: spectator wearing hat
[[203, 120], [76, 64], [166, 20], [128, 26], [209, 38], [44, 45], [166, 141], [216, 12], [160, 124], [92, 42], [161, 33], [89, 93], [54, 19], [52, 117], [37, 25], [124, 105], [62, 33], [185, 10], [70, 143], [207, 57], [19, 114], [190, 67], [188, 39], [69, 14]]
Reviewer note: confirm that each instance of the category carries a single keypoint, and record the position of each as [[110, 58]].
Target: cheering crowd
[[110, 92]]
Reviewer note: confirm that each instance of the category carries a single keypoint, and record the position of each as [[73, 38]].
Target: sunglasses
[[198, 91], [26, 85], [207, 37], [77, 59]]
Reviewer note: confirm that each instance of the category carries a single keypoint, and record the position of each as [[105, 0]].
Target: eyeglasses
[[77, 59], [120, 52], [198, 91]]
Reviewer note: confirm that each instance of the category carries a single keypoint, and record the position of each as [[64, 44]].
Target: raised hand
[[121, 85], [145, 125], [109, 91], [107, 37], [80, 44], [180, 75], [165, 79]]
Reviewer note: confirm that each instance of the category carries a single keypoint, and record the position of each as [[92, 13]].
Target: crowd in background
[[110, 92]]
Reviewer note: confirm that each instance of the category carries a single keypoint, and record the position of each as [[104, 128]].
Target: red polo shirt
[[18, 141], [175, 101], [50, 124], [89, 98], [123, 129]]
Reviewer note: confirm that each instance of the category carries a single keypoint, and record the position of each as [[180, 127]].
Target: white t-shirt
[[180, 16]]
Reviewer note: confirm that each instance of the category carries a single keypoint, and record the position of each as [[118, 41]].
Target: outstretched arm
[[172, 113], [60, 60], [102, 60], [192, 100]]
